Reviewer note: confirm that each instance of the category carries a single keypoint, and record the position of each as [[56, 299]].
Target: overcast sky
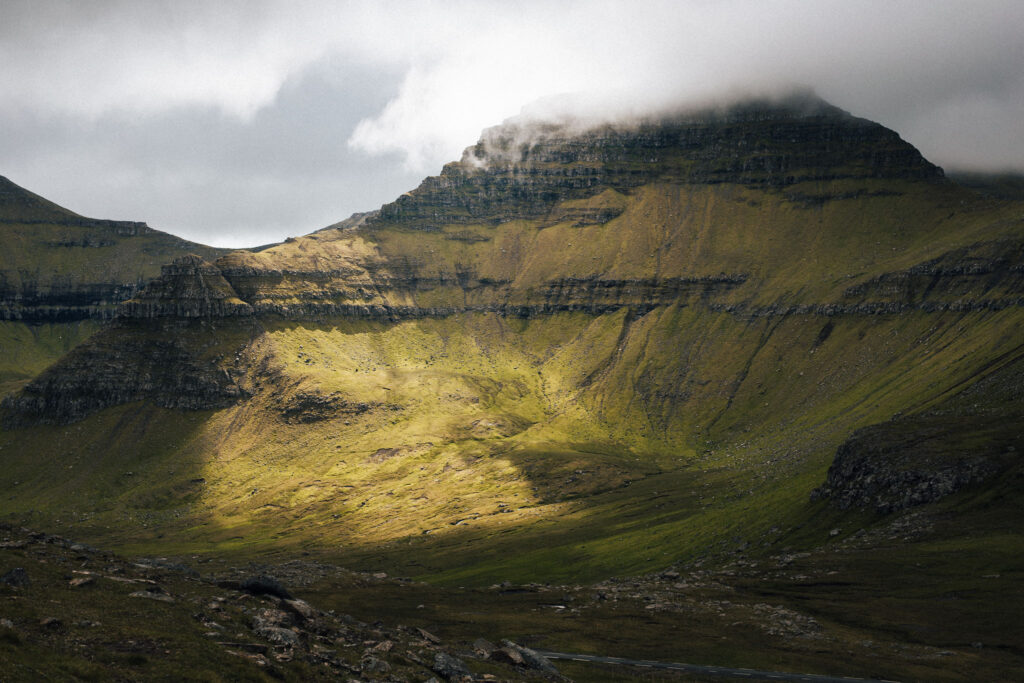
[[241, 123]]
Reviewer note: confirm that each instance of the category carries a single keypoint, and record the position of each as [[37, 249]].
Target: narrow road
[[726, 672]]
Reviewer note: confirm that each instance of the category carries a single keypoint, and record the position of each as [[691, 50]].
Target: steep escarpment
[[759, 212], [62, 276], [173, 363], [534, 211], [187, 288]]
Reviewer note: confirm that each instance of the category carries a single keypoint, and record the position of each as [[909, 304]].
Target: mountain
[[738, 335], [61, 274]]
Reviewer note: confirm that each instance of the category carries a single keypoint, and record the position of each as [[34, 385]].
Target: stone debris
[[152, 593]]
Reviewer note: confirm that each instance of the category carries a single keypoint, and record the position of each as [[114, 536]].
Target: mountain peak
[[522, 168]]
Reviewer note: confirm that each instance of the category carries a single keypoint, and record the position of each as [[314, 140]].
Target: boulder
[[17, 577], [448, 667], [264, 584]]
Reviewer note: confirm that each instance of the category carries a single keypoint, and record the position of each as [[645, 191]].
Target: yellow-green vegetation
[[472, 445], [475, 448]]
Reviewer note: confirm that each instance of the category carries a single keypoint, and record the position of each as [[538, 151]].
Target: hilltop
[[62, 275]]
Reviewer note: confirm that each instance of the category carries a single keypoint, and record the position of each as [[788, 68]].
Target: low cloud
[[244, 121], [945, 75]]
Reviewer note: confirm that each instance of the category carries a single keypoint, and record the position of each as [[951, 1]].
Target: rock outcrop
[[167, 364], [894, 466], [916, 459], [187, 288]]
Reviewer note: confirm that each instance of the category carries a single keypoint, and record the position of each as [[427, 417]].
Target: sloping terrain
[[62, 274], [574, 355]]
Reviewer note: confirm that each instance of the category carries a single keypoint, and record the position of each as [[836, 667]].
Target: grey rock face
[[449, 667], [521, 169], [187, 288], [161, 364], [901, 464]]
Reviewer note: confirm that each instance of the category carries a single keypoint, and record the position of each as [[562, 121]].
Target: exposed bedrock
[[165, 363], [898, 465], [187, 288], [520, 170], [916, 459]]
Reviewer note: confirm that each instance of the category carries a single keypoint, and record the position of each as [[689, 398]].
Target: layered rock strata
[[522, 169], [707, 210]]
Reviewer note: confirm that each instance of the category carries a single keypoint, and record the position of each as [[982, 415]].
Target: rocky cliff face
[[187, 288], [916, 459], [522, 169], [167, 362]]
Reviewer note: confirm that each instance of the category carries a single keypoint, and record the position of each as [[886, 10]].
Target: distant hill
[[62, 273], [999, 185]]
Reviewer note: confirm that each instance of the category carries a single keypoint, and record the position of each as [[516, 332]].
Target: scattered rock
[[83, 548], [483, 647], [152, 593], [531, 658], [374, 666], [17, 578], [507, 655], [300, 608], [283, 637], [265, 617], [428, 636], [383, 647]]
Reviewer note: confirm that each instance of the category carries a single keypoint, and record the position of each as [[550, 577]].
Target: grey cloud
[[243, 122], [211, 177]]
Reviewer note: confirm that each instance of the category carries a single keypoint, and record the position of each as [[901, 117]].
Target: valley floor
[[908, 597]]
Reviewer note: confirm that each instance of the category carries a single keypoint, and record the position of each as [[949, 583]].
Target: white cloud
[[896, 62]]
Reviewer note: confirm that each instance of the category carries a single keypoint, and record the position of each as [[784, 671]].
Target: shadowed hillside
[[61, 274]]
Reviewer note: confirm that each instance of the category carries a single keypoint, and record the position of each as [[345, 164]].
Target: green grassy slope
[[439, 432]]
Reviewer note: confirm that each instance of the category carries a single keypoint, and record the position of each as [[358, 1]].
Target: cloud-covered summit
[[242, 122]]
